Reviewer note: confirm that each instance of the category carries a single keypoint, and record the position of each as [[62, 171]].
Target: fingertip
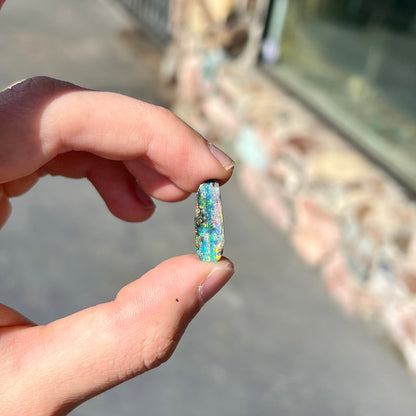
[[226, 162], [186, 273], [226, 168], [204, 279], [216, 279]]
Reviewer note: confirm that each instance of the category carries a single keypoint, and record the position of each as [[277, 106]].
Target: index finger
[[64, 117]]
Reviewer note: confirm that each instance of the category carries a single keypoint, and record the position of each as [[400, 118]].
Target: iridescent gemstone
[[209, 225]]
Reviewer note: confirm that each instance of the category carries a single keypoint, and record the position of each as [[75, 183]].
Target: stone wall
[[342, 213]]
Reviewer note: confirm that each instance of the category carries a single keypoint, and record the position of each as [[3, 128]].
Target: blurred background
[[316, 101]]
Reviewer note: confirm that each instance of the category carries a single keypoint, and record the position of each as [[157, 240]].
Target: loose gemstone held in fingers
[[209, 224]]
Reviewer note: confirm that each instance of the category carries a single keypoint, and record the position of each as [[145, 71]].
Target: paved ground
[[271, 343]]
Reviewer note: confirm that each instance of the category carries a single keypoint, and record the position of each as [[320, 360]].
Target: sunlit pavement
[[271, 343]]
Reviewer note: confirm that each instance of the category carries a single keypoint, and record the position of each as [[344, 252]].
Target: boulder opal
[[209, 225]]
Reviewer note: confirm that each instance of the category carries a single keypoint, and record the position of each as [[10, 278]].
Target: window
[[355, 62]]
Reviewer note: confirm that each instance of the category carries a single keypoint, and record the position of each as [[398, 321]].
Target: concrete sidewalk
[[271, 343]]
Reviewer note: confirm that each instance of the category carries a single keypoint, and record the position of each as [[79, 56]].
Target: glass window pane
[[356, 61]]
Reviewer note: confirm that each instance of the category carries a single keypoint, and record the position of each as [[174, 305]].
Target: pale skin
[[131, 152]]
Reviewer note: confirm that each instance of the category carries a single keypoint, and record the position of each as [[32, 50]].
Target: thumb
[[86, 353]]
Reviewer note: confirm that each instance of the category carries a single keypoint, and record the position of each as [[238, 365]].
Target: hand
[[130, 151]]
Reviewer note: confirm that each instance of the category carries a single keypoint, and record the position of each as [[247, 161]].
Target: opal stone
[[209, 224]]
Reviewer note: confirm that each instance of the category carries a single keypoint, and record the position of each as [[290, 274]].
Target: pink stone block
[[300, 145], [400, 319], [340, 166], [221, 116], [316, 233], [249, 182], [340, 284], [406, 275], [345, 289], [287, 174], [276, 209], [189, 83]]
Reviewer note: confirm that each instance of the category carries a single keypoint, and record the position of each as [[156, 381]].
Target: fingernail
[[145, 199], [225, 160], [218, 277]]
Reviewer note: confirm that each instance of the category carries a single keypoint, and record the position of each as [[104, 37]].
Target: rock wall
[[342, 213]]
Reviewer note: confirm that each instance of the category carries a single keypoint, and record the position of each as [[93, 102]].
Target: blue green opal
[[209, 224]]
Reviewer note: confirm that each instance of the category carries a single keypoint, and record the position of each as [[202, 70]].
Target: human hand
[[130, 151]]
